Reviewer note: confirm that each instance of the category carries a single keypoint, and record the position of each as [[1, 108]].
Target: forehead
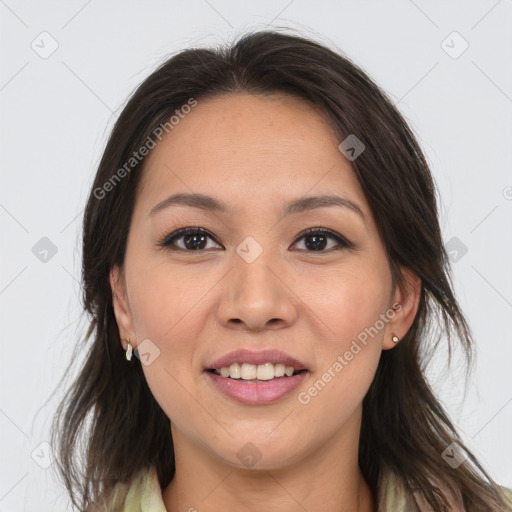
[[250, 146]]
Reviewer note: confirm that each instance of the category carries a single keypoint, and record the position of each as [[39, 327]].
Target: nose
[[255, 296]]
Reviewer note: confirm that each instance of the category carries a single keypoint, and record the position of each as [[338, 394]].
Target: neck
[[328, 475]]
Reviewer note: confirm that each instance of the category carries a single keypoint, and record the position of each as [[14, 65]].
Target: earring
[[129, 350], [395, 339]]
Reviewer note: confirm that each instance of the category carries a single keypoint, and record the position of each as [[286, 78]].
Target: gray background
[[56, 111]]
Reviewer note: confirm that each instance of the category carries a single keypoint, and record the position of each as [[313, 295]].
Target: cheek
[[166, 311], [349, 350], [350, 305], [164, 299]]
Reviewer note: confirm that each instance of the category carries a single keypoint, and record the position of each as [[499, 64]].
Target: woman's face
[[253, 281]]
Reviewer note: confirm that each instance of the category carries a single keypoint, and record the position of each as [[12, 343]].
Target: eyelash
[[168, 240]]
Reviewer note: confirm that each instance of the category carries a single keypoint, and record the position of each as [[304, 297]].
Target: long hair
[[405, 429]]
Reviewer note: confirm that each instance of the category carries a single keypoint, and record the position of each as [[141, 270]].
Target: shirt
[[144, 494]]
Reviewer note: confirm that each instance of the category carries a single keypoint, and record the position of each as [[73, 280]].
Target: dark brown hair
[[405, 429]]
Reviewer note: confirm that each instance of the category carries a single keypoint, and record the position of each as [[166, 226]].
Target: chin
[[255, 455]]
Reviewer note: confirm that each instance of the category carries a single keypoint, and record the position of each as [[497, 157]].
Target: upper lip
[[260, 357]]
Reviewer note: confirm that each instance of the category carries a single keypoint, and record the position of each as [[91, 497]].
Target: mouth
[[253, 378]]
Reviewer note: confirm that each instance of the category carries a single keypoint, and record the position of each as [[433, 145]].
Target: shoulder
[[507, 493], [393, 496], [141, 494]]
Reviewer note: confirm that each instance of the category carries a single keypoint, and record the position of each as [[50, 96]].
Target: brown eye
[[193, 239], [316, 240]]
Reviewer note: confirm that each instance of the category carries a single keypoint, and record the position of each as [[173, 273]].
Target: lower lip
[[255, 393]]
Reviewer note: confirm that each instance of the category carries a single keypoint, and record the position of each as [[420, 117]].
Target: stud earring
[[395, 339], [128, 350]]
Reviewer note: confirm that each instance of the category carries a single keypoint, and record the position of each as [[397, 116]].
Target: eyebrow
[[303, 204]]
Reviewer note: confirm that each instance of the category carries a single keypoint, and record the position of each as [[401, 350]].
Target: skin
[[255, 153]]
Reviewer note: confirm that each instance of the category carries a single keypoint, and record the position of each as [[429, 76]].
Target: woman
[[262, 235]]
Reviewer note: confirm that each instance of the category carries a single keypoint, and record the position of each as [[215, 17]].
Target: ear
[[121, 306], [405, 304]]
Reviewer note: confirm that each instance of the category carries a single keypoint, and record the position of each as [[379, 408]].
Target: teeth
[[265, 371], [246, 371], [234, 371], [279, 370]]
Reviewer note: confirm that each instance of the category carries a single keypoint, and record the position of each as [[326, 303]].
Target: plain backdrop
[[67, 67]]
